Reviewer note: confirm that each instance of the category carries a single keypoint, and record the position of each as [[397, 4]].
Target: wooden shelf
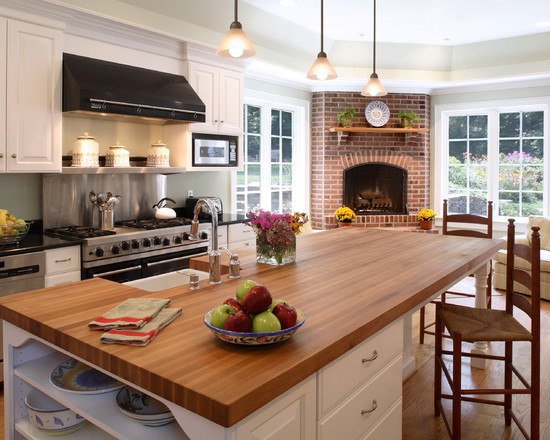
[[377, 130]]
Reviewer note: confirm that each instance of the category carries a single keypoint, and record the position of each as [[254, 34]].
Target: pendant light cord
[[374, 41], [322, 30], [236, 10]]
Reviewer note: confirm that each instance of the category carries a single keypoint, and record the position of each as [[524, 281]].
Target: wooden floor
[[481, 422], [478, 421]]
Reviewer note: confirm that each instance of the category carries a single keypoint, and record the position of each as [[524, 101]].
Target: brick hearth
[[331, 155]]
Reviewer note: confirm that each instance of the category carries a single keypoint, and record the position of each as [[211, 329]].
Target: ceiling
[[424, 46]]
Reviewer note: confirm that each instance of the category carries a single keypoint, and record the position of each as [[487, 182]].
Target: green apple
[[265, 322], [219, 314], [277, 302], [243, 288]]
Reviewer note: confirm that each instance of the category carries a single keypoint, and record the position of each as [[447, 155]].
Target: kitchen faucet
[[214, 259]]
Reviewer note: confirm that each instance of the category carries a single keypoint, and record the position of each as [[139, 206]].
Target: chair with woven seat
[[467, 324], [454, 224]]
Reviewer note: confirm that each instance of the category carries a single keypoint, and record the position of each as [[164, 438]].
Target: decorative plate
[[245, 338], [377, 113], [143, 408], [76, 377]]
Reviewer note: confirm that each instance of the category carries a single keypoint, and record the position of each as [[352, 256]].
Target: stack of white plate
[[142, 408]]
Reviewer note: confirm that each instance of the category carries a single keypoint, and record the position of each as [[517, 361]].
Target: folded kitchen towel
[[132, 313], [142, 336]]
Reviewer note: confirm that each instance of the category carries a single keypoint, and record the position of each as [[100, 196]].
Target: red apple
[[256, 300], [238, 322], [286, 314], [233, 303]]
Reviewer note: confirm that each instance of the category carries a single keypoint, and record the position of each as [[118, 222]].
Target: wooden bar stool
[[467, 324], [450, 227]]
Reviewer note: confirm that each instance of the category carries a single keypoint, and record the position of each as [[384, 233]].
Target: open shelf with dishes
[[34, 363]]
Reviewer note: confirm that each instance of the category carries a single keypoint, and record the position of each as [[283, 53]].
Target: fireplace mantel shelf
[[345, 131]]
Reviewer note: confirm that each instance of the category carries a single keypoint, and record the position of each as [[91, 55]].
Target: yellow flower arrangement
[[426, 214], [344, 214]]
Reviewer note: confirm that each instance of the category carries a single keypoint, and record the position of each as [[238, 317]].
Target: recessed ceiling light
[[541, 24], [288, 2]]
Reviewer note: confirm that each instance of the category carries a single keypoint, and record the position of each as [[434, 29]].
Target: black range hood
[[101, 87]]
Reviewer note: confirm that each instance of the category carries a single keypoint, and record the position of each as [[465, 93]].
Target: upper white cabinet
[[221, 90], [30, 97]]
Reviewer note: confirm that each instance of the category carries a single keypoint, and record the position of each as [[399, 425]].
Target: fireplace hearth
[[376, 188]]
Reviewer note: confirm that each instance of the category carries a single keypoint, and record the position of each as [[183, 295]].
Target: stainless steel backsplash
[[66, 197]]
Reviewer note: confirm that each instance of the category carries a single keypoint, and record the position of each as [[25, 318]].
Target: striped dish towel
[[142, 336], [132, 313]]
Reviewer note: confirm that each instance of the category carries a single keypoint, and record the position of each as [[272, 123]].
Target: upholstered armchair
[[499, 260]]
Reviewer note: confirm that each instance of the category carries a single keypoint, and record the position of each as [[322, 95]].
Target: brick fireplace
[[333, 153]]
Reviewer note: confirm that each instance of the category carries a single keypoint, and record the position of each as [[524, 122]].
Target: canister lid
[[159, 143], [85, 136]]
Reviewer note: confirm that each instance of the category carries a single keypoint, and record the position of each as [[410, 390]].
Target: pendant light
[[321, 68], [236, 44], [374, 87]]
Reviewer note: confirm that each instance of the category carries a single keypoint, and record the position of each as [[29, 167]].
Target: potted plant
[[344, 216], [425, 217], [406, 118], [345, 117]]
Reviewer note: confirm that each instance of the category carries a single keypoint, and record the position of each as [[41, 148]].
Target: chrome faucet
[[234, 264], [214, 259]]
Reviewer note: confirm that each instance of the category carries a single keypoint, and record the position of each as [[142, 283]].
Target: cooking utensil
[[162, 212]]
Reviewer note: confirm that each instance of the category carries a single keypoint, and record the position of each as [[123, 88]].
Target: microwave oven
[[214, 150]]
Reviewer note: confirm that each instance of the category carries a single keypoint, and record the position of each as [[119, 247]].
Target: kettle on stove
[[162, 212]]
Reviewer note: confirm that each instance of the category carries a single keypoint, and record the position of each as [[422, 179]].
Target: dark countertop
[[231, 219], [36, 242]]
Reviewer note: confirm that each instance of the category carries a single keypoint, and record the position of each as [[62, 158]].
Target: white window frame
[[492, 109], [301, 126]]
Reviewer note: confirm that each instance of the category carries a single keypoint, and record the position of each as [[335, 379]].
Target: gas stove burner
[[74, 231], [155, 223]]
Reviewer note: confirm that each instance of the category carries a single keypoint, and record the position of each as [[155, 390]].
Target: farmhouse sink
[[167, 280]]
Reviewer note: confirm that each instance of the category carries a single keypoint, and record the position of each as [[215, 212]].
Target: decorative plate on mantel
[[377, 113]]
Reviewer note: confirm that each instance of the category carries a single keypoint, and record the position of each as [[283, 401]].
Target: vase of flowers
[[276, 235], [344, 216], [425, 218]]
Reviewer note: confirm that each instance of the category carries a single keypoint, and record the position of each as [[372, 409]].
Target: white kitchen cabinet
[[221, 90], [30, 94], [62, 265], [240, 235]]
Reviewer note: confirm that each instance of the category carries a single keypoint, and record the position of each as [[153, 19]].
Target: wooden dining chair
[[453, 224], [467, 324]]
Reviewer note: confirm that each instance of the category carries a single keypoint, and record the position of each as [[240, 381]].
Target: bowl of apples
[[253, 317], [12, 229]]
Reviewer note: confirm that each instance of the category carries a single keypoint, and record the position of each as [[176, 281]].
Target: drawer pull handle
[[372, 358], [63, 261], [371, 409]]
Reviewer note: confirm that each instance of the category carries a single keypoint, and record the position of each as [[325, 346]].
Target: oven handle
[[112, 272], [185, 257]]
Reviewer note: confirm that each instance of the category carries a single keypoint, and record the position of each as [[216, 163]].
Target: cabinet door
[[205, 81], [33, 98], [3, 65], [231, 102]]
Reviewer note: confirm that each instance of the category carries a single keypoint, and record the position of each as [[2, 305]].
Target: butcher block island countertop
[[349, 282]]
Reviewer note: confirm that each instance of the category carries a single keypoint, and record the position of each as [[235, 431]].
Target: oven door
[[119, 272], [171, 262]]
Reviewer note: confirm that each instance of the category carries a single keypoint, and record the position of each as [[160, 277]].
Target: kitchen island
[[341, 370]]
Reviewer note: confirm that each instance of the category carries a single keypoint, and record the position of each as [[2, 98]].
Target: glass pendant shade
[[374, 87], [236, 44], [321, 68]]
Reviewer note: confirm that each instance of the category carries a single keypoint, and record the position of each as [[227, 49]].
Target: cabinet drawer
[[361, 411], [62, 259], [222, 235], [241, 232], [350, 370], [236, 245], [390, 428], [62, 278]]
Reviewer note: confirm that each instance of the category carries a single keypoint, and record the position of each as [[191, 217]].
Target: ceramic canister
[[158, 155], [85, 151], [117, 156]]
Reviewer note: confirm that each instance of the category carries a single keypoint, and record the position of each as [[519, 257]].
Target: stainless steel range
[[137, 249]]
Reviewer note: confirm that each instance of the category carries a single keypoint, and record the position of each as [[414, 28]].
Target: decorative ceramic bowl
[[245, 338], [143, 408], [50, 416], [13, 234]]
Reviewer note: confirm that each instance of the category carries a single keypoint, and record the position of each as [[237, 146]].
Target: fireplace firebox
[[376, 188]]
